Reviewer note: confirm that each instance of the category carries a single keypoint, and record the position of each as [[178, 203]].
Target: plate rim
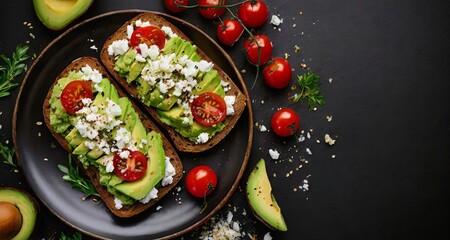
[[243, 87]]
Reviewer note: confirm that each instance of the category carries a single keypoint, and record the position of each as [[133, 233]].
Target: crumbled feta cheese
[[130, 30], [140, 23], [205, 66], [308, 151], [124, 154], [168, 31], [118, 47], [118, 203], [202, 138], [262, 128], [267, 236], [140, 58], [158, 208], [87, 73], [170, 172], [153, 194], [110, 165], [275, 20], [230, 100], [274, 154], [93, 47]]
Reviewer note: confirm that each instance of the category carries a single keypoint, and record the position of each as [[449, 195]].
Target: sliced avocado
[[186, 48], [95, 153], [22, 226], [168, 102], [139, 133], [77, 140], [261, 199], [155, 170], [71, 135], [172, 45], [154, 98], [143, 87], [195, 57], [135, 70], [173, 114], [219, 90], [81, 149], [208, 83], [124, 105], [56, 14]]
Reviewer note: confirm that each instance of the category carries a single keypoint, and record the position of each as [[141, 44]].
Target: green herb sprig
[[12, 68], [73, 177], [308, 83], [7, 155], [75, 236]]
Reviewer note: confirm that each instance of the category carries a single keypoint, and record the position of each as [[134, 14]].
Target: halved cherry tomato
[[201, 181], [253, 13], [209, 11], [209, 109], [285, 122], [251, 49], [278, 73], [73, 93], [171, 5], [149, 35], [229, 31], [130, 168]]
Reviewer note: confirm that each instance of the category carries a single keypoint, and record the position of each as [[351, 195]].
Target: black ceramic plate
[[35, 147]]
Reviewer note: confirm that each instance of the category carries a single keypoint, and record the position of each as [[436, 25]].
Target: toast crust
[[127, 210], [181, 143]]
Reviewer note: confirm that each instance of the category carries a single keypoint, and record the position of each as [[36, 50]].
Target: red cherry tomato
[[278, 73], [251, 49], [285, 122], [130, 168], [171, 5], [253, 13], [229, 31], [211, 12], [149, 35], [209, 109], [201, 181], [73, 93]]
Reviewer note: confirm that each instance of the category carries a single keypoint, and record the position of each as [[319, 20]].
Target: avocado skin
[[261, 199], [27, 206], [55, 20]]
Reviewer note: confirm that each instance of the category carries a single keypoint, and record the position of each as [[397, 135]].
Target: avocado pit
[[10, 220]]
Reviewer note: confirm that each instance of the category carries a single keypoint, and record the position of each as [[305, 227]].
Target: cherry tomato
[[211, 12], [285, 122], [251, 49], [278, 73], [149, 35], [201, 181], [73, 93], [209, 109], [130, 168], [229, 31], [253, 13], [171, 5]]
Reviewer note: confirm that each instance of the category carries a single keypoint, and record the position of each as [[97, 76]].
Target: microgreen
[[308, 84], [7, 156]]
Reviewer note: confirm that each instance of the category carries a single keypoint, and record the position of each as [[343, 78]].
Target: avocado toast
[[167, 74], [111, 139]]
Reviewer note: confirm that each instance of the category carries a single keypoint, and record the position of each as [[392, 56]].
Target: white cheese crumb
[[118, 47], [230, 100], [124, 154], [262, 128], [329, 118], [158, 208], [267, 236], [202, 138], [93, 47], [170, 172], [130, 30], [118, 203], [151, 195], [275, 20], [301, 138], [274, 154], [308, 151], [168, 31], [330, 80]]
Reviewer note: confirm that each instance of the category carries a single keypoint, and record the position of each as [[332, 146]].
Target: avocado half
[[18, 224], [261, 199], [56, 14]]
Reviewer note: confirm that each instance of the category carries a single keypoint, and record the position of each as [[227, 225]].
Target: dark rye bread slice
[[181, 143], [92, 172]]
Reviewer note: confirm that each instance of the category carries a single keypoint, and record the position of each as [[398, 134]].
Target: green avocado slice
[[56, 14], [261, 199]]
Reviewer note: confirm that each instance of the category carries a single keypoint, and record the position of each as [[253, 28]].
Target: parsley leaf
[[75, 236], [78, 182], [309, 90], [7, 156], [12, 68]]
